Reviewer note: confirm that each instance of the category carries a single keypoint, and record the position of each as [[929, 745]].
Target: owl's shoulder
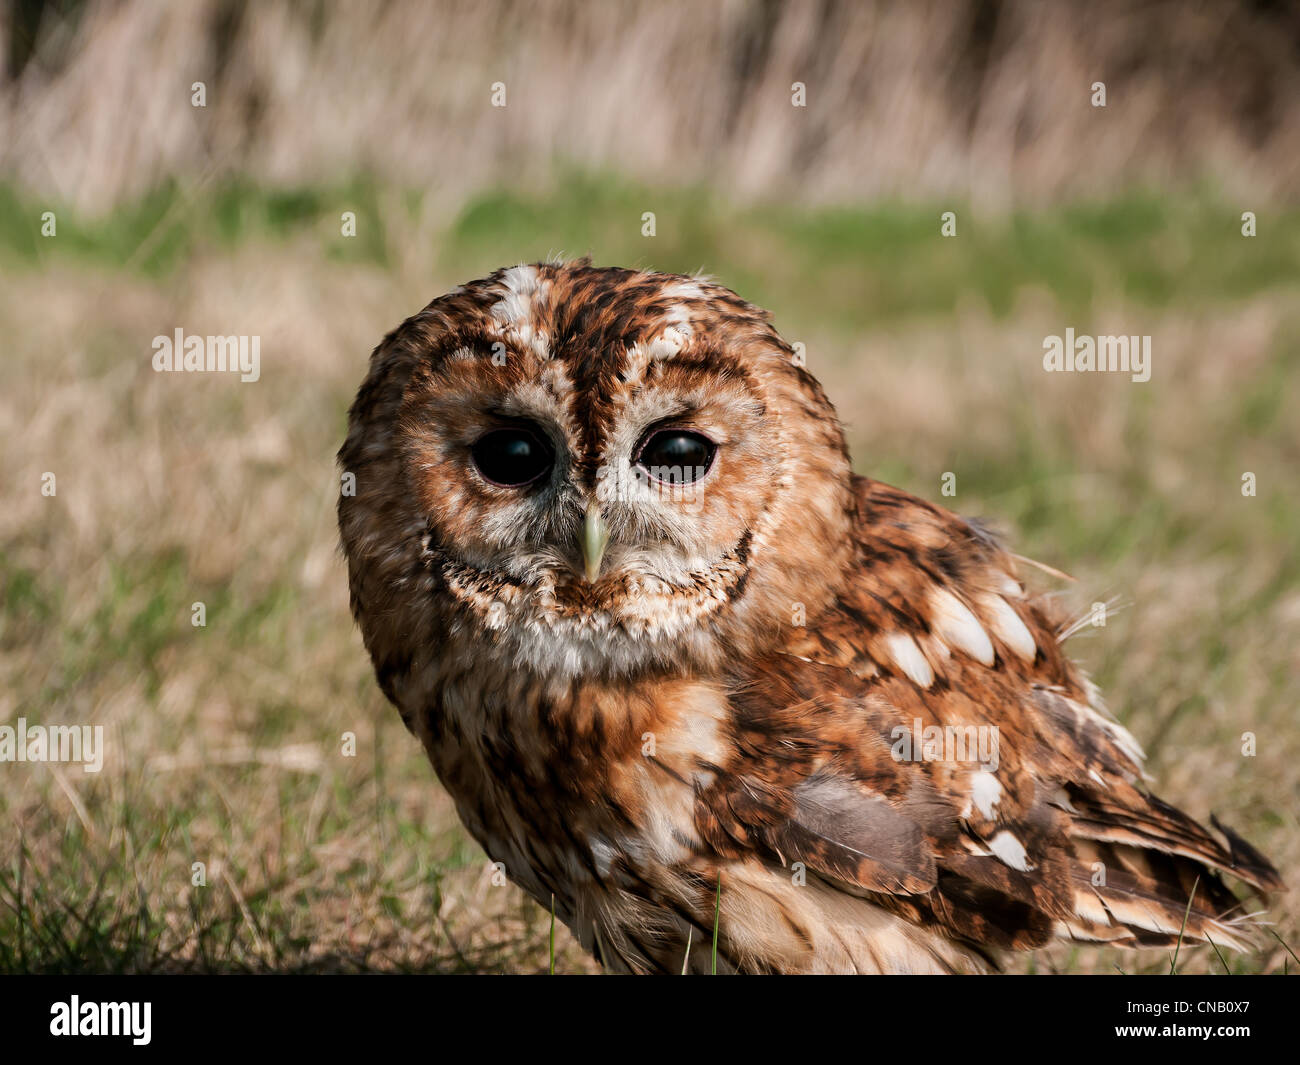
[[925, 593]]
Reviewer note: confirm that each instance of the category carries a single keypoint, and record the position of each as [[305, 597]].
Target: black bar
[[336, 1015]]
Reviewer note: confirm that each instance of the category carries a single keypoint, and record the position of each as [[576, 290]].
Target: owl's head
[[577, 471]]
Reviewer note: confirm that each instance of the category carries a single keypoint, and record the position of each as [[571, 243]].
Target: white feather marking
[[985, 791], [1009, 628], [907, 656], [668, 343], [1090, 907], [954, 622], [1010, 850], [515, 307], [1135, 912]]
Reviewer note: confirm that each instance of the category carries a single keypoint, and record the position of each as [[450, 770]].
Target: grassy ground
[[225, 742]]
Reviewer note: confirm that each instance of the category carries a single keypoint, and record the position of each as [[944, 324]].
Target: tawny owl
[[667, 652]]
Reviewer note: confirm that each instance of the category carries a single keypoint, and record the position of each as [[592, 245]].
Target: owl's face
[[601, 470]]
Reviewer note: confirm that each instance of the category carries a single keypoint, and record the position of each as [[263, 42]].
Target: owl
[[684, 673]]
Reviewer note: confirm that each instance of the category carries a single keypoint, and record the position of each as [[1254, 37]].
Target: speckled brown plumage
[[779, 678]]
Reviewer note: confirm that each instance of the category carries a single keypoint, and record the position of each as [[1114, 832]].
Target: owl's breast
[[578, 788]]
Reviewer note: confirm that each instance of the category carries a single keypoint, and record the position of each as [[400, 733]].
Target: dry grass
[[225, 742], [929, 99]]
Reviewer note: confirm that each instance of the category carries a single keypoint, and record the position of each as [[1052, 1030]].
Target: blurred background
[[196, 166]]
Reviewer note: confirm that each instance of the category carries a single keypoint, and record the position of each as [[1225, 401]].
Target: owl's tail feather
[[1132, 892]]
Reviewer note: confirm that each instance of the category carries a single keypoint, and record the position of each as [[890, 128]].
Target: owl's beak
[[595, 537]]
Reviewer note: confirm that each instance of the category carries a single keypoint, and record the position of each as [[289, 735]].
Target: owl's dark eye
[[676, 456], [512, 457]]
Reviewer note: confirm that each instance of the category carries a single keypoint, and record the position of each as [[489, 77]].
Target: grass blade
[[1173, 965], [717, 912]]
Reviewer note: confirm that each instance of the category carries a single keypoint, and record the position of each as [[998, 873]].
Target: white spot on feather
[[907, 656], [1009, 628], [954, 622], [515, 307], [1010, 850], [669, 342], [985, 791]]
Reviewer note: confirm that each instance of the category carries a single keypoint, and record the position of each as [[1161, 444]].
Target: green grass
[[839, 266]]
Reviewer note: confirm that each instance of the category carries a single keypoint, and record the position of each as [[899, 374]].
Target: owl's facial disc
[[580, 539], [570, 468]]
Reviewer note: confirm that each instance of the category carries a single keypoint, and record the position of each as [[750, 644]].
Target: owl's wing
[[925, 744]]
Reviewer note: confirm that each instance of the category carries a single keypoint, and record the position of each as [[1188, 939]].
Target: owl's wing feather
[[848, 758]]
